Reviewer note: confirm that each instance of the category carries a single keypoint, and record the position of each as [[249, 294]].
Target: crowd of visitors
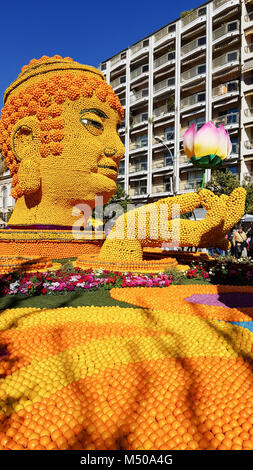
[[241, 240]]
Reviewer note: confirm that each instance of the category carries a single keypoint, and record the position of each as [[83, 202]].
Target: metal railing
[[218, 33], [191, 73], [248, 112], [189, 18], [136, 48], [191, 46], [223, 60], [116, 59], [139, 71], [138, 95], [162, 110], [140, 167], [248, 17], [118, 81], [167, 83], [138, 145], [160, 34], [249, 49], [225, 88], [163, 188], [192, 100], [142, 117], [248, 144], [227, 119], [168, 57], [218, 3]]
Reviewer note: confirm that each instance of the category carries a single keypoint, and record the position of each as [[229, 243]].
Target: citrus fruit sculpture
[[172, 367]]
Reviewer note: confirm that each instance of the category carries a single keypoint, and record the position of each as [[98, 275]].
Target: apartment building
[[196, 69]]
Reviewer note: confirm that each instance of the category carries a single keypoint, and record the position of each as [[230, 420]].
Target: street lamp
[[173, 160]]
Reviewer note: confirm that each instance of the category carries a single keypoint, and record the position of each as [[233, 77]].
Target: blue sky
[[88, 31]]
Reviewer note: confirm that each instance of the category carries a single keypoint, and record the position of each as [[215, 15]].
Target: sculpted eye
[[94, 127]]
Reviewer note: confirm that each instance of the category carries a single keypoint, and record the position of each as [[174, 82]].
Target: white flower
[[14, 285]]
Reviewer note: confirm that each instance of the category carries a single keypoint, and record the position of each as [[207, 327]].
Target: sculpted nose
[[109, 151]]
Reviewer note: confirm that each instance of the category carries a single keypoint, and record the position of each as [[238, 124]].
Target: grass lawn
[[100, 298]]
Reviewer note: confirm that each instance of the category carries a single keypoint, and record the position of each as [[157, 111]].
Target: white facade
[[196, 69], [6, 200]]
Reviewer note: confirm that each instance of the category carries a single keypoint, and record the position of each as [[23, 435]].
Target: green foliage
[[185, 13], [120, 197], [224, 182]]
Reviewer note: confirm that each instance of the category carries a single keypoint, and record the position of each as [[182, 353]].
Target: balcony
[[226, 60], [183, 160], [248, 113], [193, 46], [141, 118], [138, 168], [137, 146], [162, 188], [248, 144], [117, 61], [248, 18], [162, 139], [229, 30], [163, 111], [164, 85], [163, 35], [228, 120], [197, 16], [248, 49], [224, 3], [198, 99], [139, 96], [191, 185], [140, 71], [226, 89], [118, 82], [164, 59], [193, 73]]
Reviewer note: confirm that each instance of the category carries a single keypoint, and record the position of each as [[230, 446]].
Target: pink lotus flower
[[208, 140]]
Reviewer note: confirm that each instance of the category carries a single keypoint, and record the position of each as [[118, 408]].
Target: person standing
[[239, 241]]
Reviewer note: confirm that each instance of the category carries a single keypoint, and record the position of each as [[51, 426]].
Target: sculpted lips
[[110, 167]]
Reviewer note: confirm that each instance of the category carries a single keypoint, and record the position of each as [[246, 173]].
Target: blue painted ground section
[[244, 324]]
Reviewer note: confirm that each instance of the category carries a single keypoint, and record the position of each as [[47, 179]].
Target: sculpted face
[[89, 163], [59, 137]]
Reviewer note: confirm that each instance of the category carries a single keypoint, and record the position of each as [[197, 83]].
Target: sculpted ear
[[25, 143]]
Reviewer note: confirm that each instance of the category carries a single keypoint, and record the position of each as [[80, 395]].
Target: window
[[144, 68], [202, 69], [232, 56], [144, 92], [141, 140], [167, 184], [232, 26], [168, 160], [141, 164], [144, 116], [201, 97], [235, 145], [171, 28], [123, 101], [199, 122], [171, 55], [140, 187], [103, 66], [232, 86], [122, 168], [123, 55], [233, 169], [194, 176], [202, 41], [122, 79], [145, 43], [169, 133], [201, 11]]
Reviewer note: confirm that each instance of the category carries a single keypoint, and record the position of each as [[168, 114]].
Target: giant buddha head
[[59, 138]]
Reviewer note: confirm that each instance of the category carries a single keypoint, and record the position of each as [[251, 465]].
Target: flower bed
[[226, 271], [74, 279]]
